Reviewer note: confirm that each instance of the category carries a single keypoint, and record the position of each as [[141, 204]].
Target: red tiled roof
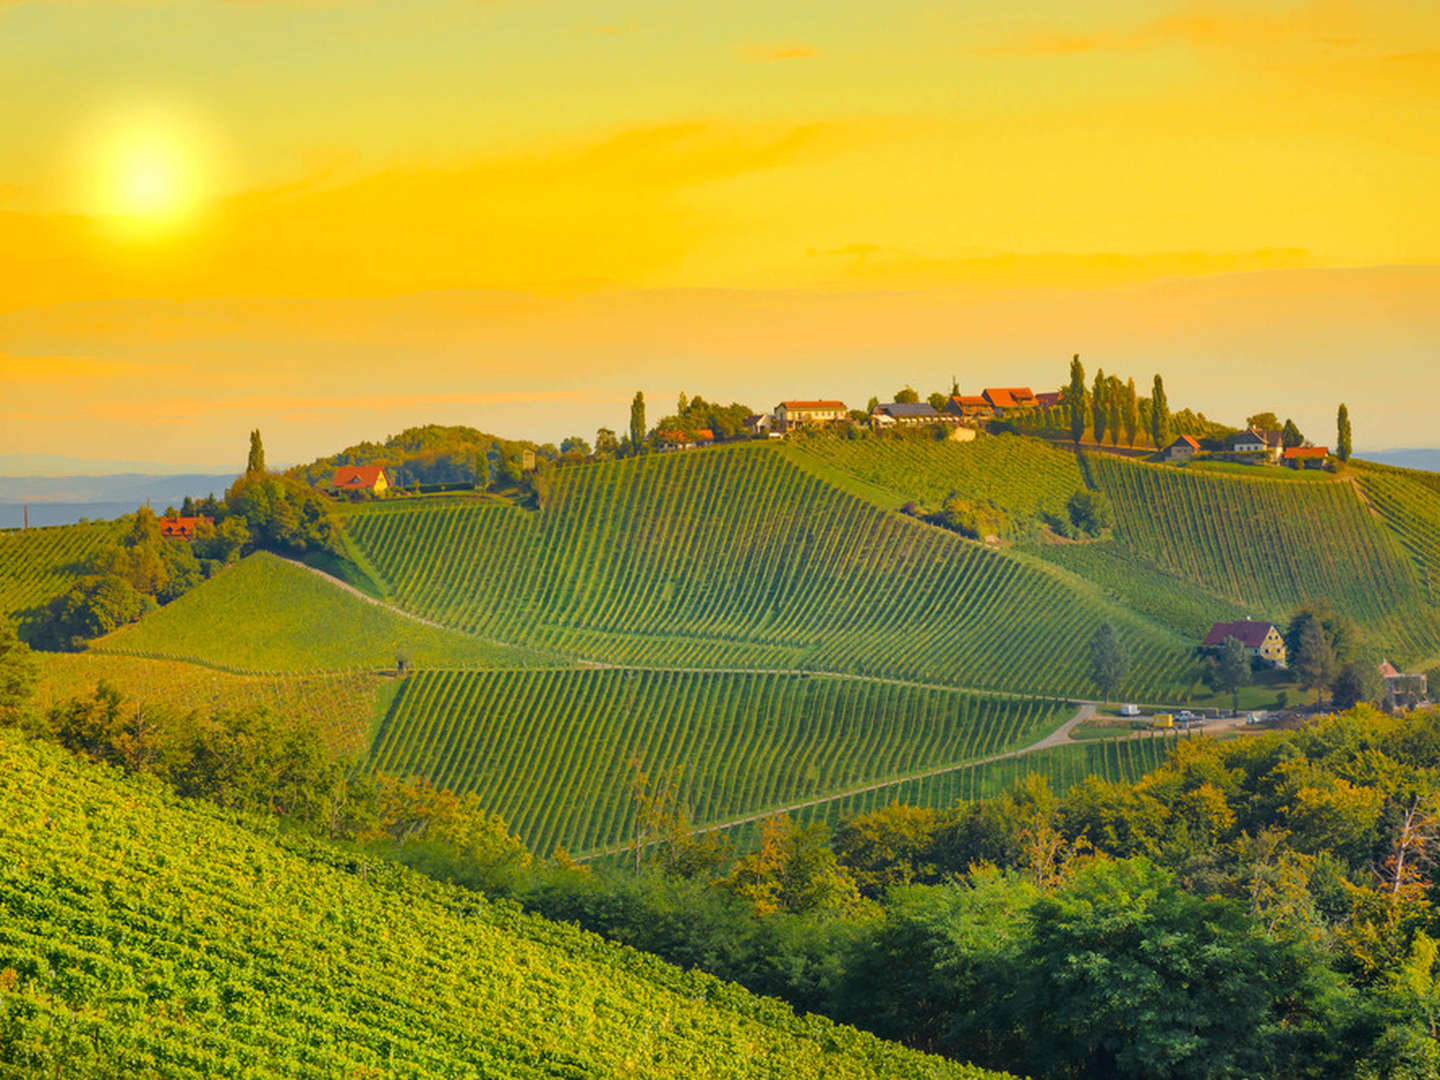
[[705, 435], [1250, 634], [793, 405], [1048, 400], [182, 526], [970, 401], [1306, 453], [1188, 441], [1387, 670], [357, 476], [1005, 397]]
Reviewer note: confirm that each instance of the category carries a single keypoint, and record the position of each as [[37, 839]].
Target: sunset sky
[[335, 219]]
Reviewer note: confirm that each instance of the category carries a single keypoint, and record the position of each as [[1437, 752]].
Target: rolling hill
[[37, 564], [141, 936]]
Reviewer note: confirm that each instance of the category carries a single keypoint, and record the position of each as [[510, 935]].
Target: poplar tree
[[1075, 399], [1159, 415], [256, 461], [1115, 400], [637, 422], [1342, 434], [1099, 406], [1132, 412]]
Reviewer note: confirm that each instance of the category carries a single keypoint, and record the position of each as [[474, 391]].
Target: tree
[[938, 401], [908, 396], [1115, 402], [872, 405], [1263, 421], [17, 673], [1159, 415], [1232, 670], [1089, 512], [1109, 663], [482, 470], [1075, 399], [1359, 680], [1314, 659], [1132, 412], [1100, 405], [637, 422], [574, 446], [92, 606], [1342, 433], [256, 461], [682, 404], [1290, 435], [606, 444]]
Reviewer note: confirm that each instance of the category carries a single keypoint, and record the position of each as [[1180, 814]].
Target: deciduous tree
[[1109, 663]]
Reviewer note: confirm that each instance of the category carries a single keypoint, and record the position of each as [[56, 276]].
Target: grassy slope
[[142, 937], [736, 557], [344, 706], [550, 750], [266, 614], [38, 564], [1269, 546]]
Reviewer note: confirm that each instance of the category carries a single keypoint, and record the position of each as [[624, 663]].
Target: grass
[[267, 614], [143, 936], [550, 751]]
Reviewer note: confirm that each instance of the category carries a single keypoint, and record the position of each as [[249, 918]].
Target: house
[[761, 425], [1012, 398], [904, 414], [1048, 400], [1246, 442], [1262, 640], [796, 414], [361, 478], [969, 406], [1306, 457], [1274, 445], [182, 528], [1182, 449], [1402, 691]]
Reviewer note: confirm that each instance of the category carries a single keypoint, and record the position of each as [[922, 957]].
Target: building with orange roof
[[361, 479]]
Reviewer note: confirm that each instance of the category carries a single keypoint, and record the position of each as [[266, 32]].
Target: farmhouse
[[1402, 691], [1246, 442], [1182, 449], [684, 440], [1306, 457], [793, 414], [1012, 398], [361, 478], [182, 528], [969, 406], [904, 414], [1048, 400], [1262, 640], [761, 425]]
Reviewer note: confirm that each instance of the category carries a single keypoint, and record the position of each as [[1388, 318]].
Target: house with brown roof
[[182, 528], [1048, 400], [1002, 398], [1306, 457], [1262, 640], [1403, 691], [795, 414], [360, 479], [1182, 449], [969, 406]]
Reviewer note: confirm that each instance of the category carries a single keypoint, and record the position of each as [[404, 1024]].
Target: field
[[549, 750], [346, 707], [1026, 478], [142, 937], [1270, 546], [269, 615], [737, 558], [1409, 502], [38, 564]]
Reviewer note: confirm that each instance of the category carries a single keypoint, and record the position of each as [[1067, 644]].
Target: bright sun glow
[[145, 173]]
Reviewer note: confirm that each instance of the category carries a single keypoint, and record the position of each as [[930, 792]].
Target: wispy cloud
[[770, 53]]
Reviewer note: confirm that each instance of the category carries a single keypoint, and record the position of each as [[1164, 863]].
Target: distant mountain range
[[134, 488]]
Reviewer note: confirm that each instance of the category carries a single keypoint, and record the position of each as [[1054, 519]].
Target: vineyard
[[143, 937], [1409, 502], [1271, 546], [1026, 478], [38, 564], [737, 558], [550, 750], [343, 706], [269, 615]]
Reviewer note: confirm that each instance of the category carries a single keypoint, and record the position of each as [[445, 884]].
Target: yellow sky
[[197, 195]]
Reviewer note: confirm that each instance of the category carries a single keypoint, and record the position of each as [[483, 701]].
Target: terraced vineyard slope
[[737, 558], [140, 937], [1409, 502], [1026, 478], [347, 707], [550, 751], [37, 564], [268, 614], [1271, 545]]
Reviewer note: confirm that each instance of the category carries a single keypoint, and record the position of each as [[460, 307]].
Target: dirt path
[[1059, 737]]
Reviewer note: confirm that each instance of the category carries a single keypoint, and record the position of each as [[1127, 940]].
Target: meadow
[[550, 751], [737, 558], [144, 936], [267, 614]]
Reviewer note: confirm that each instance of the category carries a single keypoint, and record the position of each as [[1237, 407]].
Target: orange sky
[[331, 220]]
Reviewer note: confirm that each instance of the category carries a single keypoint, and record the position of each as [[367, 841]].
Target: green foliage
[[695, 414], [93, 606], [1231, 670], [637, 421], [746, 742], [1075, 399], [268, 614], [1290, 435], [1100, 405], [125, 911], [283, 513], [1160, 426], [1089, 512], [737, 558], [907, 396], [18, 672], [1130, 416], [1109, 662], [38, 564], [255, 461], [1263, 421], [1343, 434]]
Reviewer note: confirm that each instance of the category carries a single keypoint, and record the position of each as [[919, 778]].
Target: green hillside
[[1409, 503], [1270, 546], [550, 751], [37, 564], [269, 614], [737, 558], [141, 937]]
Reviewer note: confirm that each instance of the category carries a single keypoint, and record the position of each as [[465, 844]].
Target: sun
[[146, 173]]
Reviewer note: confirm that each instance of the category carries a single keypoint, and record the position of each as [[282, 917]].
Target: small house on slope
[[182, 528], [1182, 449], [904, 414], [795, 414], [361, 479], [1262, 640], [1307, 457]]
